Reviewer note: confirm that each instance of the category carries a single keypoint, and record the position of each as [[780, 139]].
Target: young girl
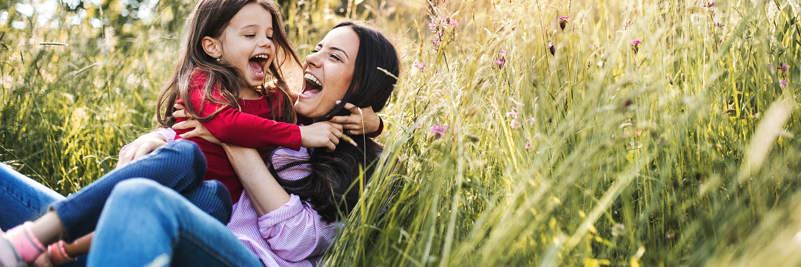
[[228, 54]]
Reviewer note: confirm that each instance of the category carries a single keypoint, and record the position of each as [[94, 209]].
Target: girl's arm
[[144, 144], [232, 126]]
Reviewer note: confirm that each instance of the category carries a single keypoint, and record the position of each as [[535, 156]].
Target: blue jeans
[[178, 165], [23, 199], [144, 222]]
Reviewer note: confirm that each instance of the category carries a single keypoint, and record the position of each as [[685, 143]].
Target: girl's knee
[[192, 154]]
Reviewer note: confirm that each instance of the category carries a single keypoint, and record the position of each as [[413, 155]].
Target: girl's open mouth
[[257, 65]]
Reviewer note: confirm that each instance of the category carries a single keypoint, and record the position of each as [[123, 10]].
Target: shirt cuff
[[167, 133], [380, 129]]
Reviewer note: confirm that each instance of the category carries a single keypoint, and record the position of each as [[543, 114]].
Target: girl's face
[[246, 43], [328, 72]]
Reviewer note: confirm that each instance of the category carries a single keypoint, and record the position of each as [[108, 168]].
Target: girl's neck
[[249, 93]]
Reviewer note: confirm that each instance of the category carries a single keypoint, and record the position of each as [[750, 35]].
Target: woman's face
[[328, 72]]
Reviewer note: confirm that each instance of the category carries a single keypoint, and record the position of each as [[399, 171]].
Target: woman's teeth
[[313, 80]]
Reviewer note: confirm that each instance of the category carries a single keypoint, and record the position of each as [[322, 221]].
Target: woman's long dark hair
[[333, 185], [209, 18]]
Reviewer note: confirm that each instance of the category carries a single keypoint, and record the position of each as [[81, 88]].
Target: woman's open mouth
[[311, 86], [257, 65]]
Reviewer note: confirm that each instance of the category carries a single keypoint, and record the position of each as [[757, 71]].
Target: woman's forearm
[[264, 191]]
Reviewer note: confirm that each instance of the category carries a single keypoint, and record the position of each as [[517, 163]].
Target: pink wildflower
[[551, 48], [439, 130], [783, 83]]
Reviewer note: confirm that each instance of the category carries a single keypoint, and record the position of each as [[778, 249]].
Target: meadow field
[[540, 132]]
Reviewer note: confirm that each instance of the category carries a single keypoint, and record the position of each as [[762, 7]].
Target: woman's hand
[[140, 147], [197, 128], [360, 121]]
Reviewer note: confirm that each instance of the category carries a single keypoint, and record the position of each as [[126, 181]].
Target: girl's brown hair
[[209, 18]]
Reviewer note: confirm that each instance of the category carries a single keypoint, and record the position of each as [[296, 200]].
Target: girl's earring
[[219, 60]]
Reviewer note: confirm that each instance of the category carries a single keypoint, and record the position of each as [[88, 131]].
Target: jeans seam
[[25, 203], [186, 235]]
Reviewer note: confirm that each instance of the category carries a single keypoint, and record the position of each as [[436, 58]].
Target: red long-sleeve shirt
[[248, 128]]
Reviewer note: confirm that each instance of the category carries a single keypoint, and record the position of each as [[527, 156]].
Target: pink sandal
[[8, 255]]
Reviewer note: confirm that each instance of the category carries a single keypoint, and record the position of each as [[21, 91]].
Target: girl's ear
[[212, 47]]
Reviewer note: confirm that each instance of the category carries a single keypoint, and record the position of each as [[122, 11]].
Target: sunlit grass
[[684, 152]]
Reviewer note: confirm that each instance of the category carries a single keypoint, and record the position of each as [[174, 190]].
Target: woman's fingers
[[353, 108], [126, 155]]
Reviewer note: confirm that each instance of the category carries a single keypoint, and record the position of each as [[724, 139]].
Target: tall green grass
[[681, 153]]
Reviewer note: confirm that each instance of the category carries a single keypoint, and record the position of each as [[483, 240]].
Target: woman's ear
[[212, 47]]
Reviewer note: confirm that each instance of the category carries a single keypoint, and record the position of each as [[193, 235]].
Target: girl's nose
[[265, 42]]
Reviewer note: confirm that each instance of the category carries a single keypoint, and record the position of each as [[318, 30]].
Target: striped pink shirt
[[292, 235]]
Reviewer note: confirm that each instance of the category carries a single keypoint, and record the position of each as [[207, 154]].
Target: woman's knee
[[138, 189]]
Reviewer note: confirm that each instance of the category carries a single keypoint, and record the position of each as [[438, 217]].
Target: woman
[[349, 51], [288, 220]]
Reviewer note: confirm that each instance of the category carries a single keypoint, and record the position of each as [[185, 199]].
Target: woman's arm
[[264, 191], [144, 144], [293, 229]]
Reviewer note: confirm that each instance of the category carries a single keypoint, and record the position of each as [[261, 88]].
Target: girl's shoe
[[8, 255]]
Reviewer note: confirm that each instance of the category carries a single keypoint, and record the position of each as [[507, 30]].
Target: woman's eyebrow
[[340, 50]]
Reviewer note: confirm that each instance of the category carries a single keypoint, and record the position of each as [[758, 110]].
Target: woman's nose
[[313, 60]]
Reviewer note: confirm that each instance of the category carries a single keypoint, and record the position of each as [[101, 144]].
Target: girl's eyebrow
[[256, 26]]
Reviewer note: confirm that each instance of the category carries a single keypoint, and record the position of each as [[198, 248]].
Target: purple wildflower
[[500, 62], [563, 21], [783, 83], [452, 22], [635, 45], [551, 48], [420, 65], [439, 130], [710, 4], [783, 67]]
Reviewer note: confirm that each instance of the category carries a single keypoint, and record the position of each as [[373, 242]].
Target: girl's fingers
[[178, 106], [191, 134], [179, 114]]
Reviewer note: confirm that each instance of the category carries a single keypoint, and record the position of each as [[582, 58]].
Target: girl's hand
[[198, 129], [360, 121], [321, 134], [140, 147]]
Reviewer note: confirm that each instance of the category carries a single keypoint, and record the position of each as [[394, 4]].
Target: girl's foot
[[24, 245], [8, 254]]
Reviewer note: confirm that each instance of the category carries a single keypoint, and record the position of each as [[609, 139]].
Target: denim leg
[[144, 222], [22, 199], [178, 165], [213, 198]]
